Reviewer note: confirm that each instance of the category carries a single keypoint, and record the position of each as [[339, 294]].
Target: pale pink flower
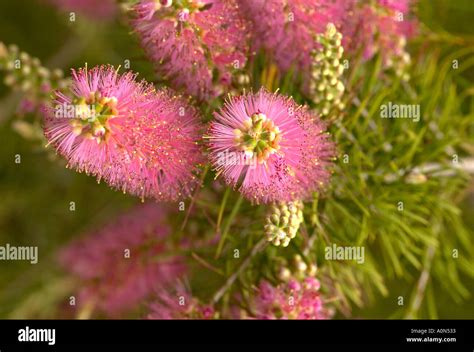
[[123, 263], [270, 147], [381, 28], [195, 48], [138, 140], [178, 303], [285, 29], [295, 299]]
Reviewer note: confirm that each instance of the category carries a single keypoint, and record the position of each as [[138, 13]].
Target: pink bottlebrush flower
[[123, 263], [274, 149], [197, 47], [93, 9], [291, 300], [136, 139], [381, 27], [285, 29], [178, 303]]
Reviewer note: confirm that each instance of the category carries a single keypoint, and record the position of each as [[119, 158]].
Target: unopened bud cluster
[[326, 85], [401, 60], [26, 74], [240, 83], [283, 221], [297, 269]]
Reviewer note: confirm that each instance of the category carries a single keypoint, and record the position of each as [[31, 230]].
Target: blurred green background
[[35, 195]]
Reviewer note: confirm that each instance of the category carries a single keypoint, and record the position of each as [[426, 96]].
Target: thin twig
[[260, 245], [206, 264], [422, 282], [434, 169], [193, 199]]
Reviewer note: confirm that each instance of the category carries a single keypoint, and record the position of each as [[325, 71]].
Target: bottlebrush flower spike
[[123, 263], [381, 27], [178, 303], [138, 140], [271, 148], [289, 26], [295, 299], [195, 45], [285, 29]]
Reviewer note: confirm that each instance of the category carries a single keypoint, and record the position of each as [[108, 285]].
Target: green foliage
[[396, 189]]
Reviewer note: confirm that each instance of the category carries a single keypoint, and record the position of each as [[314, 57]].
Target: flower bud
[[283, 221]]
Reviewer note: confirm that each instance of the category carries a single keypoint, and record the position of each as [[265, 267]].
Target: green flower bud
[[283, 221], [327, 87]]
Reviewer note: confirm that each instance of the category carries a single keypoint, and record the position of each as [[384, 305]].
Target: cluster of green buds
[[258, 137], [92, 115], [283, 222], [326, 84], [400, 62], [26, 74], [240, 83], [296, 269]]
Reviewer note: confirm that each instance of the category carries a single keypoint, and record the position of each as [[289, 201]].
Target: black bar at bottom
[[448, 335]]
